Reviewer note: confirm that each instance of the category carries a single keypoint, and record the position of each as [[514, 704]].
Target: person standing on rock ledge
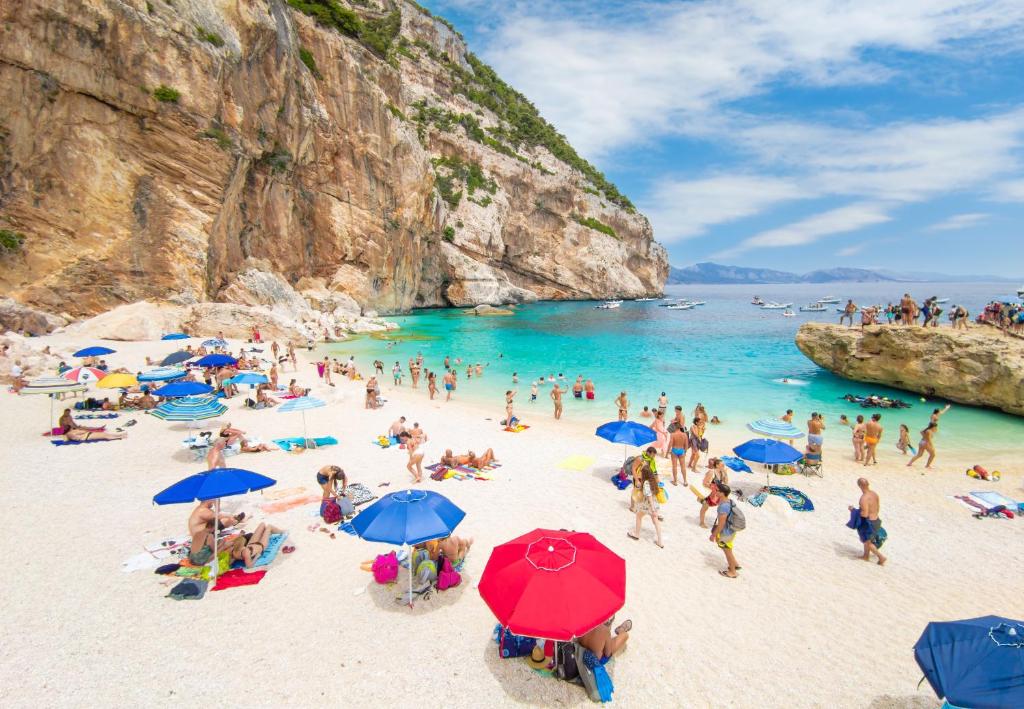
[[848, 312]]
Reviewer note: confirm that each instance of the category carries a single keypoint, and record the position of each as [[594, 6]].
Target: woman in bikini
[[371, 393], [431, 385], [416, 453], [858, 440], [622, 402], [696, 440], [926, 445], [717, 474], [658, 426], [82, 435], [249, 547]]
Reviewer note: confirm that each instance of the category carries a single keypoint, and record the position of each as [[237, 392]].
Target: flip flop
[[726, 575], [632, 536], [287, 549], [624, 627], [130, 423]]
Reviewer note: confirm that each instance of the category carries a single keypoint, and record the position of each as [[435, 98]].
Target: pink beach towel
[[237, 577]]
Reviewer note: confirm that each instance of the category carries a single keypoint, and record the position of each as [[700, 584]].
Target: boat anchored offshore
[[829, 300], [757, 300], [787, 313], [609, 305], [818, 307], [680, 306], [776, 306]]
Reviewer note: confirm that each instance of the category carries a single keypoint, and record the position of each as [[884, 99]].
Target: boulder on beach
[[21, 318], [143, 320]]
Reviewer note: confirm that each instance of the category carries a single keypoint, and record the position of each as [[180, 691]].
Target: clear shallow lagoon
[[728, 354]]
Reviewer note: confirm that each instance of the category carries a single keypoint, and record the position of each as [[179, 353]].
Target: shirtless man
[[678, 441], [622, 402], [678, 420], [200, 528], [815, 426], [415, 464], [588, 389], [292, 358], [848, 310], [869, 507], [397, 427], [556, 397], [907, 307], [417, 433], [577, 388], [872, 437], [215, 456], [449, 384], [662, 403], [472, 459]]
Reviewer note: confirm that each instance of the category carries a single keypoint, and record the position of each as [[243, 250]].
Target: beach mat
[[237, 577], [288, 444], [517, 429], [269, 554], [796, 499], [992, 499], [281, 494], [272, 508], [359, 494], [576, 462], [75, 443], [107, 415]]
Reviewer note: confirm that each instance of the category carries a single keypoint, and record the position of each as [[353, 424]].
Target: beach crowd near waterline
[[529, 459]]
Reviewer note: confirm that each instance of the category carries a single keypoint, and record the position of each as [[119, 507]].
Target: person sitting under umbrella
[[600, 641], [200, 528], [248, 548]]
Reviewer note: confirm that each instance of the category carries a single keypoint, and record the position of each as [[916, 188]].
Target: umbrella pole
[[216, 559], [51, 414], [409, 548], [305, 435]]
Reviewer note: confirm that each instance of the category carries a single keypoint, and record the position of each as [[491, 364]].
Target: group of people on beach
[[867, 434]]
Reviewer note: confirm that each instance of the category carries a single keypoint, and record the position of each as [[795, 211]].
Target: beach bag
[[565, 663], [661, 496], [736, 519], [330, 510], [346, 506], [385, 568], [447, 577], [439, 474], [510, 645]]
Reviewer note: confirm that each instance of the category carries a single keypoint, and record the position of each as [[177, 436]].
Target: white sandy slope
[[806, 625]]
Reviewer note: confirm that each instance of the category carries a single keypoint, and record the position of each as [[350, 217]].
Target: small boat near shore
[[776, 306], [757, 300], [787, 313], [680, 306], [609, 305], [829, 300], [818, 307]]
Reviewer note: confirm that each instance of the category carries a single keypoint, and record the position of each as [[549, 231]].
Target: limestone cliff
[[978, 367], [167, 149]]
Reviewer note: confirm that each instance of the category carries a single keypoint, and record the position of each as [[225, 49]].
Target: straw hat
[[536, 660]]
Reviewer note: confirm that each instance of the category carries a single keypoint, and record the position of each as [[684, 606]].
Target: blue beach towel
[[602, 681], [736, 464], [269, 554], [107, 415], [299, 442], [796, 499], [75, 443]]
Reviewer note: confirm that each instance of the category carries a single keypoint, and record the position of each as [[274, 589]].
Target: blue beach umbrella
[[629, 433], [96, 351], [408, 517], [215, 342], [213, 485], [976, 663], [176, 389], [767, 451], [775, 428], [175, 336], [161, 374], [215, 360], [250, 378], [176, 358], [303, 404]]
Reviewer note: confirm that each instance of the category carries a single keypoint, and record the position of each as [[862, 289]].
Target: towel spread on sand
[[272, 508], [992, 499], [107, 415], [237, 577], [298, 442], [281, 494], [359, 494], [75, 443], [576, 462], [517, 429], [796, 499], [269, 554]]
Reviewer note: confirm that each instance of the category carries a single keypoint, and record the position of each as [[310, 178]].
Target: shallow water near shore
[[728, 354]]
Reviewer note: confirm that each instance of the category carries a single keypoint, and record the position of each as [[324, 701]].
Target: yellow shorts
[[726, 542]]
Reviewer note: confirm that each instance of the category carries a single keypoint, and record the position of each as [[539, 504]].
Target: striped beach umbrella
[[775, 428], [52, 386], [190, 408], [84, 375], [117, 380], [303, 404], [215, 342], [162, 374]]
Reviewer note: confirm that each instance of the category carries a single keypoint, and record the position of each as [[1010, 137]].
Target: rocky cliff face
[[168, 149], [978, 367]]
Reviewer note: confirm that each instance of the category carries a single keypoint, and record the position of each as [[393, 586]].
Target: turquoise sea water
[[727, 354]]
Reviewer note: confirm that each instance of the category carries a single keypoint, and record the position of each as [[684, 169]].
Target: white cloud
[[959, 221], [851, 250], [806, 231], [1010, 191]]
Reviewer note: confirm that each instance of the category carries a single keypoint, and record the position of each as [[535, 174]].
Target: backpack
[[447, 577], [385, 568], [510, 645], [330, 510], [565, 663], [736, 520]]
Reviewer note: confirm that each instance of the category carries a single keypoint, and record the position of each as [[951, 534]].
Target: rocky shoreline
[[979, 367]]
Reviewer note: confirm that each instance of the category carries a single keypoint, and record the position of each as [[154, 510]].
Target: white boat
[[829, 300], [787, 313], [757, 300], [776, 306], [609, 305], [942, 300], [680, 306], [696, 302], [1020, 292], [641, 300], [818, 307]]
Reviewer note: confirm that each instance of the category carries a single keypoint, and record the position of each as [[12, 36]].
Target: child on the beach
[[903, 444]]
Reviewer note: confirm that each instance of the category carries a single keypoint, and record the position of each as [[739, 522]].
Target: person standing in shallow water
[[872, 437], [622, 402], [556, 397]]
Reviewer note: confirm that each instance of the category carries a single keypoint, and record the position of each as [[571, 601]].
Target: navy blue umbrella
[[629, 433], [213, 485], [767, 451], [976, 663], [175, 336], [93, 352], [408, 517], [183, 389], [176, 358], [215, 360]]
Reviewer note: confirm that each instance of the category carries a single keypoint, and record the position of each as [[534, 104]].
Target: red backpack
[[330, 510], [385, 568]]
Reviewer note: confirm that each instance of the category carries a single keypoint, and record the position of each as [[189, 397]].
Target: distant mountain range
[[717, 273]]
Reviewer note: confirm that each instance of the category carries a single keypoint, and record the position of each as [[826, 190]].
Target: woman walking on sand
[[431, 385], [926, 445], [697, 440], [658, 426], [644, 499]]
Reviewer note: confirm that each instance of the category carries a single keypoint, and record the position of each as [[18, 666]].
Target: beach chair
[[810, 464]]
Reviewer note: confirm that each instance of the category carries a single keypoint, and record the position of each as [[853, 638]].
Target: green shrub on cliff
[[379, 33], [307, 58], [596, 225], [376, 33], [166, 94], [10, 241], [449, 234], [207, 36]]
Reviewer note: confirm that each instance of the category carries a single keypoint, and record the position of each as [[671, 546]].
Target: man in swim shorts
[[723, 535], [200, 528], [577, 387], [556, 397], [588, 387], [678, 441], [872, 436], [869, 508], [815, 426]]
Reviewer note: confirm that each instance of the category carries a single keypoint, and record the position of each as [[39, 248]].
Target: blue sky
[[790, 135]]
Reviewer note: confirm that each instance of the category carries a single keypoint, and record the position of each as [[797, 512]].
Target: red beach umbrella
[[555, 585]]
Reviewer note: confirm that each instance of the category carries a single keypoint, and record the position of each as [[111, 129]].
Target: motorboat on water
[[942, 300], [642, 300], [757, 300], [818, 307], [776, 306], [609, 305], [829, 300], [1020, 292], [787, 313], [680, 306], [696, 302]]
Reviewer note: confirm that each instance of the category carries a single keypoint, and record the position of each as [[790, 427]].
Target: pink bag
[[385, 568], [447, 577]]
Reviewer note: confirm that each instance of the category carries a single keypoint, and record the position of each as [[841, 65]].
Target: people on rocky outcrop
[[848, 310]]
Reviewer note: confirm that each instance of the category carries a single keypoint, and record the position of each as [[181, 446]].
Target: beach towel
[[796, 499], [60, 431], [107, 415], [866, 530], [992, 499], [298, 442], [517, 429], [576, 462], [272, 508], [736, 464], [281, 494], [758, 499], [75, 443], [359, 494], [269, 554], [237, 577]]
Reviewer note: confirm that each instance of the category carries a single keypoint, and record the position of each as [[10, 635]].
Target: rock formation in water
[[980, 367], [260, 151]]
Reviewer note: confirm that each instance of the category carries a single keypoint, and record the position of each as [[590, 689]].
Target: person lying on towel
[[247, 548], [471, 459]]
